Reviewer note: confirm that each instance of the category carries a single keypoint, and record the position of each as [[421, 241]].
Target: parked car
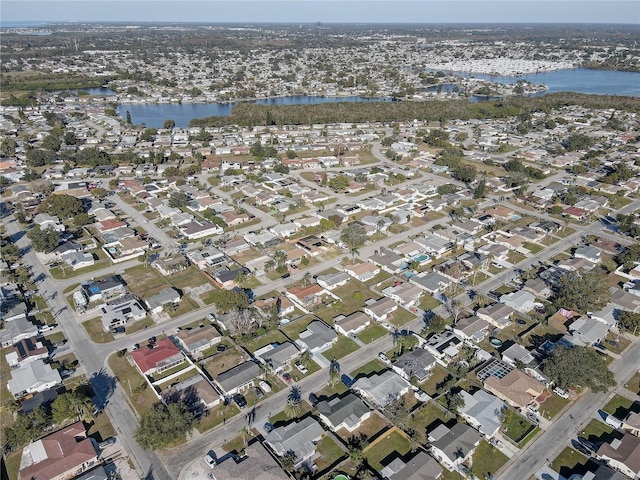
[[221, 348], [268, 427], [265, 386], [384, 358], [286, 275], [109, 441], [209, 460], [46, 328], [286, 377], [561, 393], [135, 347], [302, 368], [240, 400], [259, 393]]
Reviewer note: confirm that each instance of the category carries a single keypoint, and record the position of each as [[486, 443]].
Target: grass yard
[[138, 325], [438, 374], [343, 347], [216, 416], [222, 362], [633, 385], [352, 296], [95, 331], [373, 366], [391, 445], [281, 418], [293, 329], [254, 344], [552, 406], [597, 431], [619, 347], [515, 426], [369, 428], [515, 257], [533, 247], [427, 302], [330, 452], [136, 389], [101, 428], [426, 415], [569, 462], [401, 317], [144, 281], [620, 406], [61, 272], [487, 460], [12, 463], [371, 333], [6, 416]]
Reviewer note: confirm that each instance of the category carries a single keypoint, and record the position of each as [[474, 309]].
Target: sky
[[328, 11]]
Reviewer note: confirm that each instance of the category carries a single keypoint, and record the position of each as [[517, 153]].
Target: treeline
[[251, 114], [48, 82]]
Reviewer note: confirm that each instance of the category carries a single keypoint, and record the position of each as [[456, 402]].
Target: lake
[[155, 114], [580, 80]]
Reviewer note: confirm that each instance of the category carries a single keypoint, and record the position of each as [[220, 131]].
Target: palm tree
[[83, 406], [293, 408], [245, 433], [334, 377], [354, 252], [481, 299], [269, 265], [306, 279]]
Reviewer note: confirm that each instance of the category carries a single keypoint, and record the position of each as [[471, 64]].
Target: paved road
[[91, 359], [551, 442], [144, 222]]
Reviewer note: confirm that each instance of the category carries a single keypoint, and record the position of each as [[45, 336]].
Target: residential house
[[166, 296], [239, 378], [471, 329], [516, 388], [25, 351], [60, 455], [603, 472], [589, 253], [332, 280], [362, 271], [521, 301], [517, 353], [170, 265], [404, 294], [622, 454], [195, 341], [78, 260], [197, 394], [537, 287], [32, 377], [299, 437], [277, 356], [381, 388], [104, 289], [117, 312], [417, 364], [352, 324], [284, 230], [199, 228], [432, 282], [420, 467], [305, 297], [444, 345], [631, 423], [257, 463], [157, 358], [317, 337], [346, 412], [17, 329], [379, 310], [482, 411], [388, 260], [453, 446], [45, 221], [587, 331]]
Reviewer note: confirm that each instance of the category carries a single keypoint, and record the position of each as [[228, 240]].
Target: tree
[[62, 206], [354, 236], [164, 425], [464, 172], [81, 219], [99, 192], [334, 377], [479, 191], [436, 324], [570, 367], [169, 124], [339, 183], [452, 401], [178, 200], [43, 240], [10, 252], [293, 407], [582, 291], [62, 408], [629, 321], [227, 300]]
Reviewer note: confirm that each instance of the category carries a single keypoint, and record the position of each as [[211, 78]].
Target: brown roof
[[626, 451], [66, 450], [516, 387], [353, 321]]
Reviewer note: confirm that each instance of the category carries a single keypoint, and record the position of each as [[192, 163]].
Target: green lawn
[[330, 452], [293, 329], [95, 331], [597, 431], [389, 446], [368, 368], [136, 389], [633, 385], [369, 428], [438, 374], [281, 417], [427, 415], [352, 296], [569, 462], [401, 317], [216, 416], [487, 460], [533, 247], [371, 333], [552, 406], [270, 337], [515, 426], [427, 302], [343, 347], [620, 406]]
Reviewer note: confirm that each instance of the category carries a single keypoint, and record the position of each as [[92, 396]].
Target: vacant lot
[[389, 446], [487, 460]]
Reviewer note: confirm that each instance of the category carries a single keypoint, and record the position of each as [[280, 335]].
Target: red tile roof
[[148, 358]]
